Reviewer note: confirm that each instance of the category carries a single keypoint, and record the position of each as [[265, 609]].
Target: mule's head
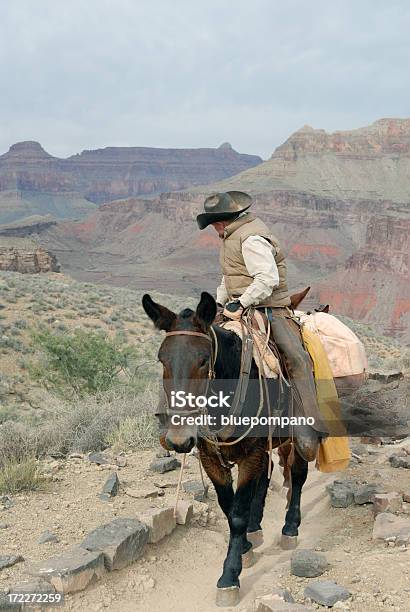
[[186, 361]]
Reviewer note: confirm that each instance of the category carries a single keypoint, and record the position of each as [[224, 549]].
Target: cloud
[[123, 72]]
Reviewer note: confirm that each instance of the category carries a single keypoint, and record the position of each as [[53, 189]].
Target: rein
[[239, 397], [240, 393]]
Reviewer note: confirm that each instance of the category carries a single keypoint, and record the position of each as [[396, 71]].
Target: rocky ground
[[180, 572]]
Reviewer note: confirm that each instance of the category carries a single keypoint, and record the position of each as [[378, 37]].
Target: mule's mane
[[186, 313]]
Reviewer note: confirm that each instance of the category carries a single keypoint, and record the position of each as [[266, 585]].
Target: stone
[[34, 586], [4, 526], [387, 502], [9, 560], [72, 571], [6, 605], [110, 488], [196, 489], [397, 461], [166, 464], [406, 498], [184, 513], [162, 452], [273, 603], [388, 525], [160, 522], [373, 440], [274, 596], [97, 458], [6, 502], [120, 460], [48, 536], [341, 493], [326, 592], [143, 493], [308, 563], [364, 494], [121, 541], [385, 376]]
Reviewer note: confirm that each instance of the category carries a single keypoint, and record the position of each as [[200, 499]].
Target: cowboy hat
[[222, 207]]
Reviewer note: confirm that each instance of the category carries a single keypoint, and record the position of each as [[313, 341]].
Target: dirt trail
[[180, 573], [187, 566]]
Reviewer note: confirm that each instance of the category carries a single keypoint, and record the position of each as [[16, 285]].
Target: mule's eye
[[203, 363]]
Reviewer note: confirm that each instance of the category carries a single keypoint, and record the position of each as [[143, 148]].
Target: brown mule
[[188, 353]]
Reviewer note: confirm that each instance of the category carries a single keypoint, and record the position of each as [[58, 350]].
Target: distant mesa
[[33, 182], [26, 149], [226, 146]]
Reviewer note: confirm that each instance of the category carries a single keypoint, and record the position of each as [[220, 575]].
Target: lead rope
[[181, 471]]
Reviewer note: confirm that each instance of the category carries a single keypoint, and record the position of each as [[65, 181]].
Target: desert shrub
[[7, 413], [23, 475], [80, 361], [12, 343], [95, 422], [14, 331], [133, 433], [20, 324], [18, 441]]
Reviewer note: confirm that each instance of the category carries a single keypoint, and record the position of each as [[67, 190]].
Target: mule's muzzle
[[181, 446]]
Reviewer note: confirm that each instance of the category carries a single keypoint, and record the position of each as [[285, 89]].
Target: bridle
[[214, 438], [241, 389], [213, 341]]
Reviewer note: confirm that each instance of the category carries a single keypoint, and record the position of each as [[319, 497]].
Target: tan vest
[[237, 278]]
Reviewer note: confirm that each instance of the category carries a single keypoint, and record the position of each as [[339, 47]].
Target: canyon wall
[[339, 203], [34, 182]]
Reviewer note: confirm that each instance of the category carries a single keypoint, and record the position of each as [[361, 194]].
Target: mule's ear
[[205, 311], [160, 315]]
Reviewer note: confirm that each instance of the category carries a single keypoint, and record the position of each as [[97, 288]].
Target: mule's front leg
[[238, 519], [249, 472]]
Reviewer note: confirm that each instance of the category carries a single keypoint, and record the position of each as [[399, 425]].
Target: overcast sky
[[85, 74]]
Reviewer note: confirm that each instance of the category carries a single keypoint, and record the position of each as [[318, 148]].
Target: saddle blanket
[[261, 350]]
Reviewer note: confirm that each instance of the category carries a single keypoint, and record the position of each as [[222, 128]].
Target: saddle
[[265, 352]]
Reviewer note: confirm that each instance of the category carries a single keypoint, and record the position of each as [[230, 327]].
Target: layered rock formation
[[368, 163], [338, 203], [34, 182], [26, 258]]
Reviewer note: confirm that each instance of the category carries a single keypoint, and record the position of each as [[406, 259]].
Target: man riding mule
[[195, 351], [254, 274]]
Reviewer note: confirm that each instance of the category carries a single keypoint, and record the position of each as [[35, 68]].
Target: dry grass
[[92, 423], [23, 475], [134, 433]]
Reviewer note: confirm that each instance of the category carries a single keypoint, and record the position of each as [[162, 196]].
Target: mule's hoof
[[288, 542], [228, 596], [255, 538], [248, 559]]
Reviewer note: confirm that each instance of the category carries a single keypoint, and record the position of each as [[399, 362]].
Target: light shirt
[[259, 257]]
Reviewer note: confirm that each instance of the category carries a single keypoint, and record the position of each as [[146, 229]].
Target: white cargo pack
[[346, 353]]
